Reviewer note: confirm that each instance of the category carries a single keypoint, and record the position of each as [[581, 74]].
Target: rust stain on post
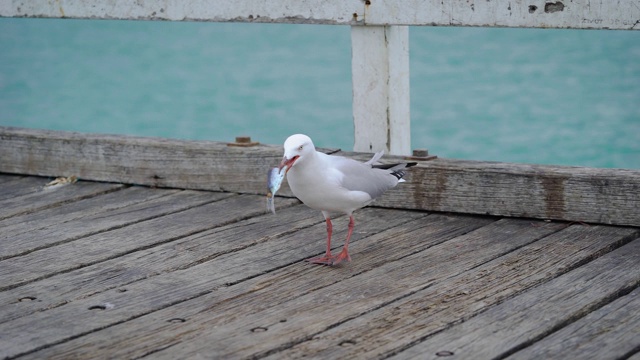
[[432, 189], [553, 196]]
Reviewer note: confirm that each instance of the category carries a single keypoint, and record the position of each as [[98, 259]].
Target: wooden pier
[[97, 269], [164, 249]]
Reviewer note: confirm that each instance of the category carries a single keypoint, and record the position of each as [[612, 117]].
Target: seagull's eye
[[300, 148]]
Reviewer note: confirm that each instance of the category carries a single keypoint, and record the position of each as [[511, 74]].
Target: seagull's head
[[296, 148]]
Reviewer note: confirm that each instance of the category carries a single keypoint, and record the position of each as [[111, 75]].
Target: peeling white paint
[[381, 101], [578, 14]]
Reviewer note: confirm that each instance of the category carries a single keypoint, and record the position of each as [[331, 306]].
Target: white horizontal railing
[[380, 40], [576, 14]]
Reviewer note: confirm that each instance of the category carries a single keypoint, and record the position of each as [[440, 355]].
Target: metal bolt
[[243, 141], [420, 152]]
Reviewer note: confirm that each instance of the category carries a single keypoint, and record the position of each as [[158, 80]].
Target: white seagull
[[335, 184]]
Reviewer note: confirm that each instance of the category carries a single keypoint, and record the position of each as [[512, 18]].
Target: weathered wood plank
[[611, 332], [177, 255], [21, 186], [7, 178], [34, 198], [524, 319], [197, 165], [186, 214], [606, 196], [387, 330], [311, 313], [164, 290], [12, 185], [40, 229], [323, 299], [609, 196], [581, 14], [308, 313]]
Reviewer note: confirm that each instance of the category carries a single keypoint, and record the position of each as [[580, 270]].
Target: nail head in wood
[[444, 353]]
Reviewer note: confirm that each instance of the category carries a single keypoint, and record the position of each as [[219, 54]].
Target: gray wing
[[362, 177]]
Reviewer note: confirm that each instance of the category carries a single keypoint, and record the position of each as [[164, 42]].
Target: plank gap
[[91, 233], [63, 271], [260, 241], [343, 321], [498, 263], [456, 337], [67, 201], [575, 317], [589, 258]]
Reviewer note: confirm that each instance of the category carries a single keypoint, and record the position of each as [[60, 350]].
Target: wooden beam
[[576, 14], [609, 196], [381, 101]]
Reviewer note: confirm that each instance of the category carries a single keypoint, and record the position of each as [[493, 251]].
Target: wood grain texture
[[36, 230], [524, 319], [265, 301], [172, 288], [182, 273], [199, 165], [6, 179], [311, 313], [389, 329], [607, 196], [248, 292], [14, 186], [611, 332], [180, 254], [185, 212], [35, 198]]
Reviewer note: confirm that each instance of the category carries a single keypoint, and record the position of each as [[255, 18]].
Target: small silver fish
[[274, 180]]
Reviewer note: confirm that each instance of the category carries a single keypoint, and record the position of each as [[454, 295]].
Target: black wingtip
[[399, 174], [389, 166]]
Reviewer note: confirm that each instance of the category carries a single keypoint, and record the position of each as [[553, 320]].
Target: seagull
[[335, 184]]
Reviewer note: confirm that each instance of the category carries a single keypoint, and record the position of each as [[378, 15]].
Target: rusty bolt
[[420, 152], [243, 139]]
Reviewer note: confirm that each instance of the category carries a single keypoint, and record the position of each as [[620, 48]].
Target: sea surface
[[566, 97]]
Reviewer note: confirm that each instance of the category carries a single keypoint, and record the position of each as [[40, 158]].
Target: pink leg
[[344, 254], [327, 259]]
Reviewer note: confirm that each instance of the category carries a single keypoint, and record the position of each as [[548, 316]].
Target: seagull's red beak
[[287, 162]]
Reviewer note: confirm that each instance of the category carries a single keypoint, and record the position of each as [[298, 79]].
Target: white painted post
[[381, 102]]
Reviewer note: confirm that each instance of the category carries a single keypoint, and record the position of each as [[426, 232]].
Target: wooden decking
[[103, 270]]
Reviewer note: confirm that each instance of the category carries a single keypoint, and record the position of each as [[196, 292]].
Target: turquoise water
[[565, 97]]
